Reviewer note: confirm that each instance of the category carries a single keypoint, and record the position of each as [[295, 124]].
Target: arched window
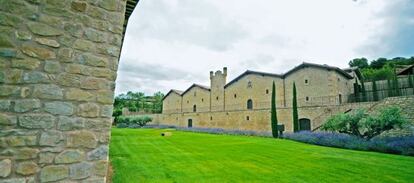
[[194, 108], [250, 104]]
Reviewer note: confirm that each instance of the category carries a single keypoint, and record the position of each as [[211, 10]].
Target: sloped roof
[[305, 64], [196, 85], [249, 72], [179, 92], [406, 70]]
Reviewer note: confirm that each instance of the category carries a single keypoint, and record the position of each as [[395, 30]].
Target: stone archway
[[58, 63]]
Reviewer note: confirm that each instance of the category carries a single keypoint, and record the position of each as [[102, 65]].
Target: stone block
[[36, 121], [59, 108], [105, 97], [27, 63], [9, 20], [7, 120], [43, 29], [23, 35], [111, 5], [83, 45], [25, 153], [26, 105], [5, 105], [52, 67], [100, 153], [46, 157], [106, 111], [13, 76], [5, 168], [36, 77], [79, 95], [79, 6], [93, 60], [80, 170], [88, 110], [5, 42], [7, 52], [92, 83], [48, 42], [38, 52], [27, 168], [98, 124], [50, 138], [54, 173], [47, 91], [95, 36], [82, 138], [22, 141], [70, 156], [8, 90], [66, 79], [65, 54], [74, 29], [100, 168], [94, 180], [102, 73], [70, 123]]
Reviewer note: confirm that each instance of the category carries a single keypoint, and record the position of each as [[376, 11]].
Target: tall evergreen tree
[[295, 110], [274, 121], [374, 91]]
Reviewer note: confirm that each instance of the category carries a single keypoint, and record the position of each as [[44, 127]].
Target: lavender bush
[[394, 145]]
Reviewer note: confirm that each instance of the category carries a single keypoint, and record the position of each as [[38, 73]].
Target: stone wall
[[58, 62]]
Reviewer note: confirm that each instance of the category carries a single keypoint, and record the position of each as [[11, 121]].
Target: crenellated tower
[[217, 83]]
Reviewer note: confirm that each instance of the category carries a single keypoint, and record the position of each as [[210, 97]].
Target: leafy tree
[[274, 121], [374, 91], [366, 126], [295, 110], [359, 62], [379, 63]]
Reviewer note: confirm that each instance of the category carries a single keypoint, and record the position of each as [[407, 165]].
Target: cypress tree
[[374, 90], [273, 116], [295, 110]]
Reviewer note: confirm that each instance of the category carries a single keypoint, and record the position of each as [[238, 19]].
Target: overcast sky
[[174, 43]]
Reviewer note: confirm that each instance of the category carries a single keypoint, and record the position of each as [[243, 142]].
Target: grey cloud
[[145, 70], [397, 35], [257, 61], [189, 21]]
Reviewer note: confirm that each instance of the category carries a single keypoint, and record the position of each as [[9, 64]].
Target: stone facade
[[321, 90], [58, 63]]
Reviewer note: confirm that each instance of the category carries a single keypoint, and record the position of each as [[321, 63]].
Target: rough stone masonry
[[58, 63]]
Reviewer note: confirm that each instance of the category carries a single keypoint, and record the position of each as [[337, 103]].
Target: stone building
[[58, 63], [244, 102]]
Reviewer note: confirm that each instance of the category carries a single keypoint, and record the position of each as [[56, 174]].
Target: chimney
[[225, 71]]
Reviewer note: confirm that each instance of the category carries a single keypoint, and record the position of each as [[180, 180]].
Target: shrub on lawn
[[394, 145], [133, 121], [363, 125]]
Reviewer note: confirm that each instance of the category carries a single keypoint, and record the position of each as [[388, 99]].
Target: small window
[[250, 104], [188, 101], [202, 100], [249, 84], [307, 98], [211, 118], [194, 108], [267, 91], [235, 95], [216, 98], [306, 81], [247, 118]]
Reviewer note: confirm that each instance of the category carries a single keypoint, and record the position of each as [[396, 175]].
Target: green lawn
[[142, 155]]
